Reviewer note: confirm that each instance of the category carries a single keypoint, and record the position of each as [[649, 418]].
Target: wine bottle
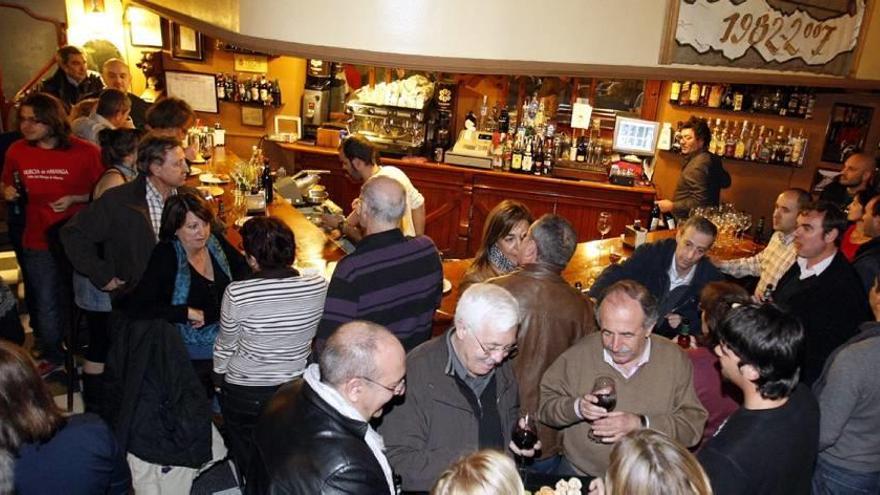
[[517, 158], [675, 92], [267, 183], [656, 219], [528, 158]]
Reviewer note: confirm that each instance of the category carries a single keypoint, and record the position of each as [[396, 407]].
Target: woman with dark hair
[[719, 397], [186, 276], [119, 153], [53, 454], [853, 237], [505, 229], [266, 328]]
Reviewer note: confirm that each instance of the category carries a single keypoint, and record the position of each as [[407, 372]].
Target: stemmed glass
[[525, 435], [604, 223], [605, 391], [206, 145]]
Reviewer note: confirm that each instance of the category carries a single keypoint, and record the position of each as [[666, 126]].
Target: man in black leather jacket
[[73, 80], [314, 436]]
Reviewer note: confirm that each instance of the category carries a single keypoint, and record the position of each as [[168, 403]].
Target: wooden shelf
[[748, 162], [732, 112]]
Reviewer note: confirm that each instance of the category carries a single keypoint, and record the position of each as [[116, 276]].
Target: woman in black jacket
[[186, 277]]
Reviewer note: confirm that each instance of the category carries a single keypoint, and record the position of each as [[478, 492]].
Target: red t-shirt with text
[[48, 175]]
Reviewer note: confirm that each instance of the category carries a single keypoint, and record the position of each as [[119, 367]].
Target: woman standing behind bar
[[53, 454], [506, 228], [266, 328], [185, 279]]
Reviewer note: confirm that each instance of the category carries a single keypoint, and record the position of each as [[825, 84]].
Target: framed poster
[[145, 27], [823, 177], [199, 90], [823, 37], [186, 43], [847, 131]]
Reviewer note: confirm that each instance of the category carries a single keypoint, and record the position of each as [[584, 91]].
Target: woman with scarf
[[186, 277], [506, 227]]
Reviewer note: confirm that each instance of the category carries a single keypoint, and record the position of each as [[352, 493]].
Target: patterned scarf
[[499, 261], [203, 336]]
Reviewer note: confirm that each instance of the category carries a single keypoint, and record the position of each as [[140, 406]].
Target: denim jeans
[[829, 479], [49, 294], [241, 407]]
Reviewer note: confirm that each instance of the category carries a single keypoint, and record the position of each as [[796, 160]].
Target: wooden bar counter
[[458, 199]]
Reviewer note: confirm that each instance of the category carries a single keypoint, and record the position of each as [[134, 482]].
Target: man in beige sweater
[[653, 382]]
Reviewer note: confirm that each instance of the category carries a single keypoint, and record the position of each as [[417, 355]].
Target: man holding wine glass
[[619, 380]]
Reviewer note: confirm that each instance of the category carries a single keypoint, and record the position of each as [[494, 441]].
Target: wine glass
[[604, 223], [605, 391], [525, 435], [206, 146]]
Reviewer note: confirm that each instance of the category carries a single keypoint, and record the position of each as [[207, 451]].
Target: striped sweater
[[266, 328], [389, 279]]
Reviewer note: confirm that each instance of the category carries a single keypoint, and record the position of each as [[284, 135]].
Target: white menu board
[[199, 90]]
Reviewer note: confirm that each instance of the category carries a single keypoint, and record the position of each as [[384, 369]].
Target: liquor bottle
[[267, 183], [716, 91], [244, 87], [676, 138], [716, 137], [675, 92], [236, 89], [497, 152], [18, 205], [755, 153], [730, 142], [538, 166], [550, 156], [794, 103], [581, 155], [738, 100], [255, 89], [704, 95], [739, 151], [221, 87], [749, 142], [789, 147], [528, 157], [776, 101], [695, 93], [811, 102], [685, 98], [276, 94], [507, 152], [264, 90], [764, 153], [657, 222], [797, 149], [727, 101], [779, 148], [503, 121], [684, 334], [484, 112], [516, 160]]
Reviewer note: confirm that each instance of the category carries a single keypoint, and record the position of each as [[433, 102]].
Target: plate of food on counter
[[210, 178], [210, 191], [195, 171]]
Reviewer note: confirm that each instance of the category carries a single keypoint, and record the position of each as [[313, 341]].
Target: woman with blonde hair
[[646, 462], [485, 472]]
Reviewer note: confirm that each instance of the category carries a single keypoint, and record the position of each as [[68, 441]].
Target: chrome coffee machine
[[316, 96]]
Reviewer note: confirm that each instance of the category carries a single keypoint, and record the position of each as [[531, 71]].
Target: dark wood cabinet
[[458, 199]]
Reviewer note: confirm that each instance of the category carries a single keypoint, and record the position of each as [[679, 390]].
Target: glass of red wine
[[606, 397], [525, 436]]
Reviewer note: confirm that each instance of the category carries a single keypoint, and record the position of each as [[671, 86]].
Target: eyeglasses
[[396, 390], [508, 351]]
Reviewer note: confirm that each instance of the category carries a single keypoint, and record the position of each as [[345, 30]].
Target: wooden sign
[[766, 34]]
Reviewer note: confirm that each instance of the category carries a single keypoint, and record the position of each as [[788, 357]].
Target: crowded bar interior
[[263, 246]]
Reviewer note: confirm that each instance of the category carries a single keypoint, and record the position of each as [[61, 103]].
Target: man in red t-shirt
[[53, 174]]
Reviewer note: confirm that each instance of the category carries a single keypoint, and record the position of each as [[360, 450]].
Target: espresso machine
[[316, 96]]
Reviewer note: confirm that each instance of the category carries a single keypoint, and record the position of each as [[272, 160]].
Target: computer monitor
[[635, 136]]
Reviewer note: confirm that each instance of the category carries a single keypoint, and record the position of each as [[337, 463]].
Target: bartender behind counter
[[703, 175], [360, 160]]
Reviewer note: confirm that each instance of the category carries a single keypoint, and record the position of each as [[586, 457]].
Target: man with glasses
[[653, 384], [389, 279], [315, 436], [461, 391], [553, 316]]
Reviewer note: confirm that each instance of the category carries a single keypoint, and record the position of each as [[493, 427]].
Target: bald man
[[857, 174], [117, 75], [315, 436], [390, 279]]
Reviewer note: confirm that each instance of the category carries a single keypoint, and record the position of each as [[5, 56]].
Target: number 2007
[[755, 30]]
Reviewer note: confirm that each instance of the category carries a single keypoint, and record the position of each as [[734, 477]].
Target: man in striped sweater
[[389, 279]]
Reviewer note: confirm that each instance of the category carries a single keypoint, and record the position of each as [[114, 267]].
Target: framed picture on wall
[[145, 27], [847, 131], [186, 43], [252, 116], [823, 177], [199, 90]]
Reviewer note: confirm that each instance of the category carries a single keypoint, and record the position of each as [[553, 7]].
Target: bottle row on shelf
[[256, 90], [750, 142], [793, 102]]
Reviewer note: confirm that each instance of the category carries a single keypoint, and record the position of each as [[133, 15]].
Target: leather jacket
[[304, 446], [553, 316]]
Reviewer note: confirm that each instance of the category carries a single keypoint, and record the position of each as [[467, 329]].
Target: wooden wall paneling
[[447, 201]]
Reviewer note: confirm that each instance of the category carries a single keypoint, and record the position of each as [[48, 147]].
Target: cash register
[[472, 149]]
